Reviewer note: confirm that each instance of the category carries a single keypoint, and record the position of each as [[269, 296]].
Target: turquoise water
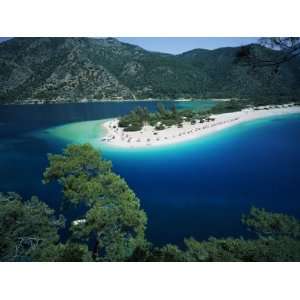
[[201, 187], [203, 104], [196, 188]]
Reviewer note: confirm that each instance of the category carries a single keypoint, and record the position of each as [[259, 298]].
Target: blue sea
[[197, 188]]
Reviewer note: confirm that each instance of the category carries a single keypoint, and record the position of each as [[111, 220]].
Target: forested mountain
[[85, 68]]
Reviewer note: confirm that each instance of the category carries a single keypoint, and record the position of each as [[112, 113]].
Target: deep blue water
[[202, 187], [198, 188]]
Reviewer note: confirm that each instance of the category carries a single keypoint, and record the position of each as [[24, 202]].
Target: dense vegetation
[[160, 119], [112, 224], [72, 69]]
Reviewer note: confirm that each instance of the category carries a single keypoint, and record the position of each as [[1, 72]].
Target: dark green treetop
[[26, 228], [114, 219], [268, 224]]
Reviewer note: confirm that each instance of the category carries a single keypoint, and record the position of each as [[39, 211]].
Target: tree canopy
[[268, 224], [288, 48], [26, 227], [114, 222]]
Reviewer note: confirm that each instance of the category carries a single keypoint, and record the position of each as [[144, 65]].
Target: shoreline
[[87, 101], [149, 137]]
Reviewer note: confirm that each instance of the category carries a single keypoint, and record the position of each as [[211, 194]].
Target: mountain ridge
[[74, 69]]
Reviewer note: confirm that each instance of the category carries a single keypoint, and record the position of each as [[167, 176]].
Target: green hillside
[[83, 68]]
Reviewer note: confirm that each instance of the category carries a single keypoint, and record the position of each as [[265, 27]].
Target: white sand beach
[[148, 136]]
